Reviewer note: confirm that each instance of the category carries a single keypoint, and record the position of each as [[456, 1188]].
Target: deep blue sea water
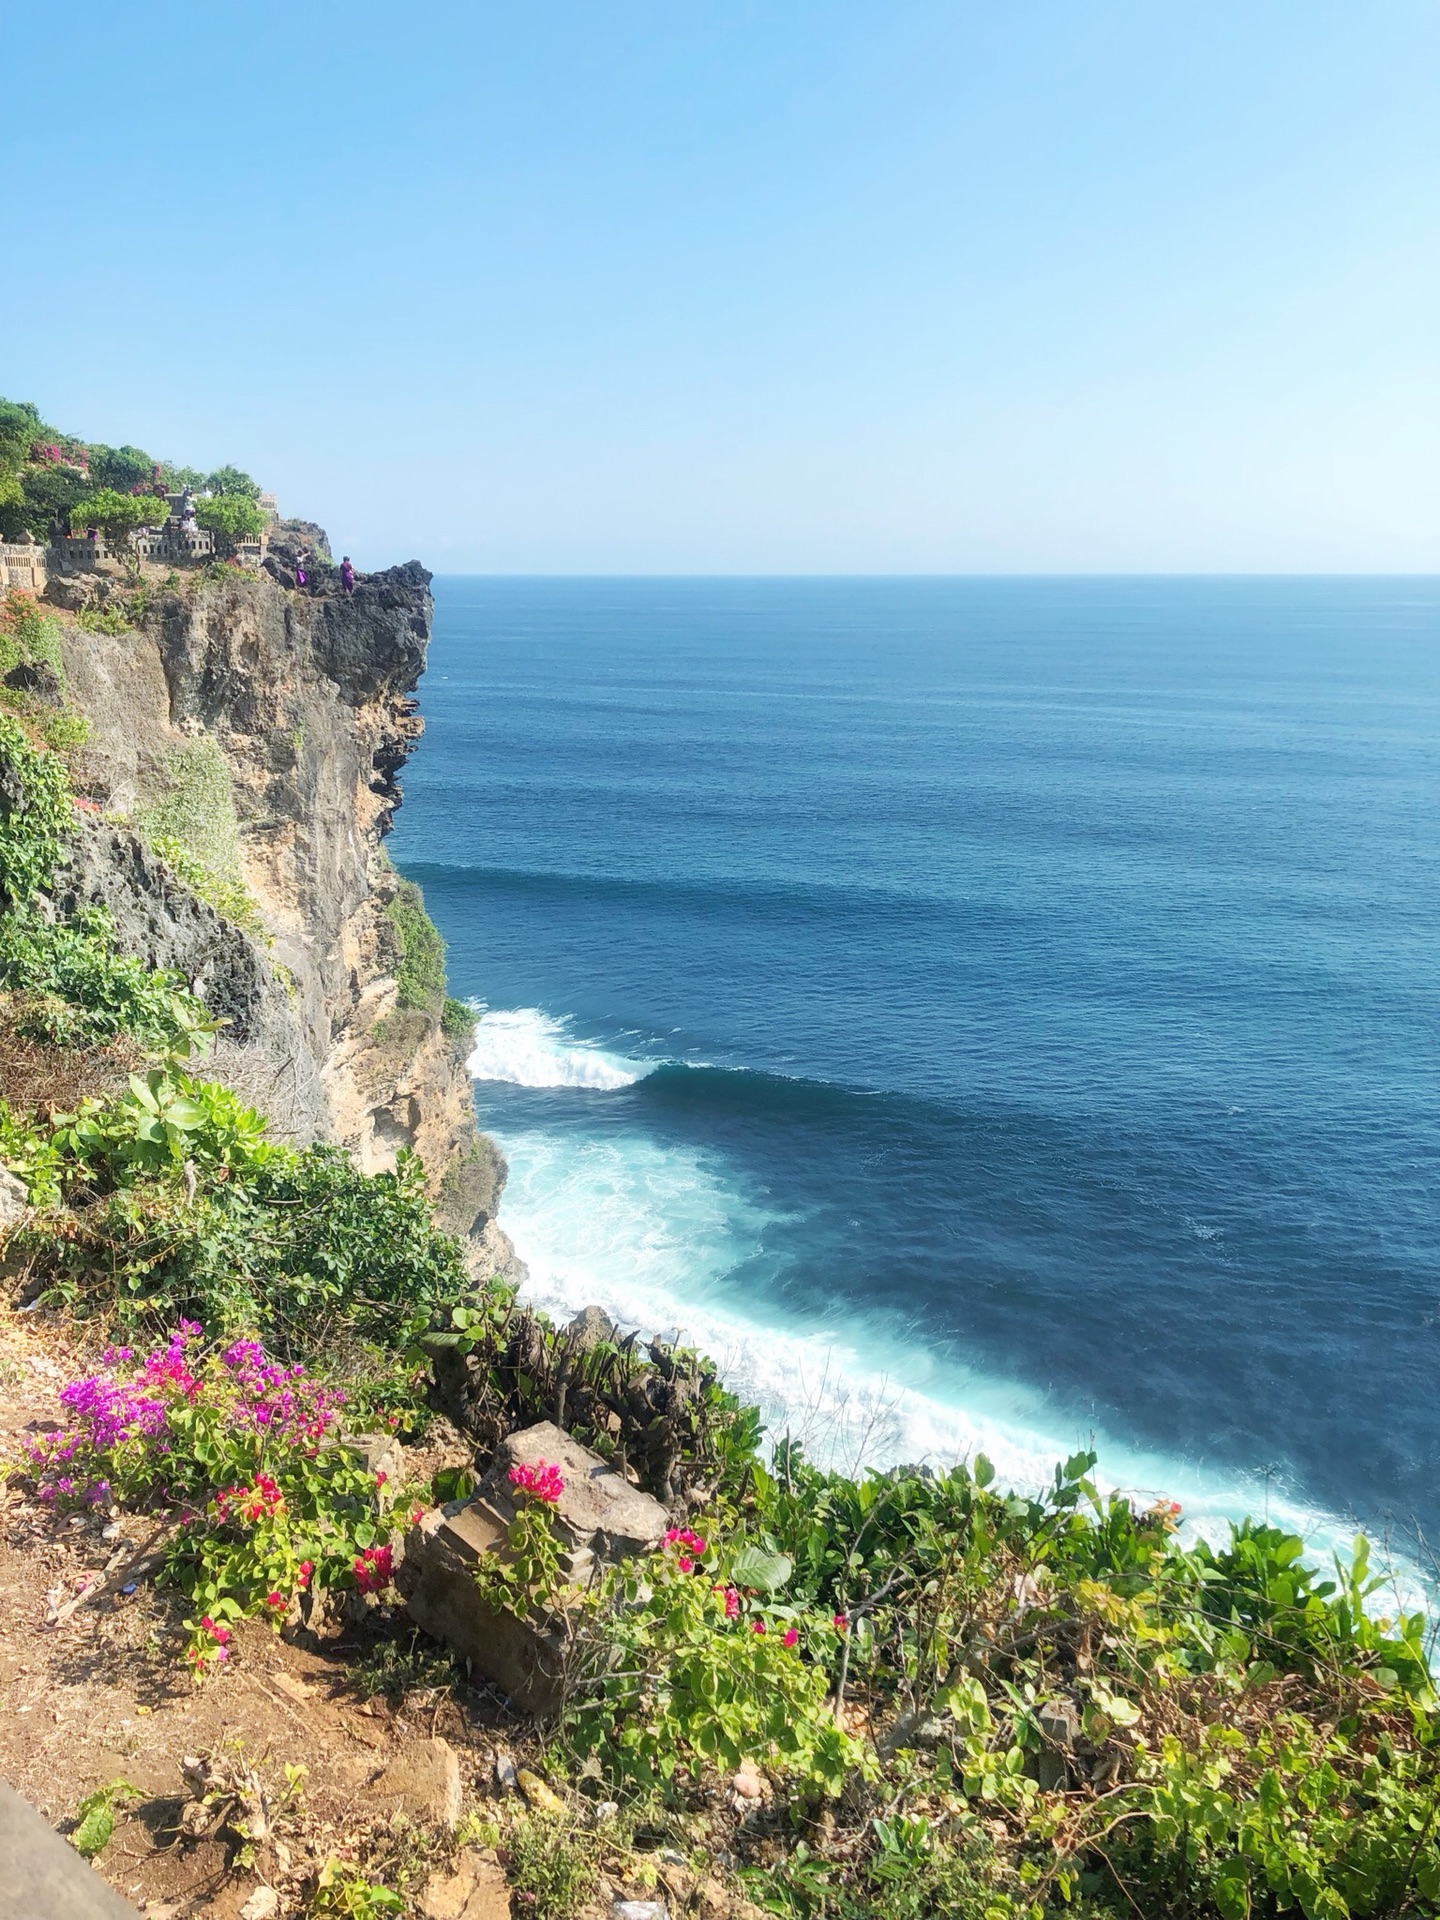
[[982, 1012]]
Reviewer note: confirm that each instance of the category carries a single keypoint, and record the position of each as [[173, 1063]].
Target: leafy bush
[[232, 517], [420, 961], [84, 992], [553, 1863], [691, 1660], [35, 815], [109, 620], [457, 1018], [28, 635], [190, 1208]]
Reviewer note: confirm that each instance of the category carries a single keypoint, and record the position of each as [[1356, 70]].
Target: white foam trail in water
[[660, 1238], [527, 1048]]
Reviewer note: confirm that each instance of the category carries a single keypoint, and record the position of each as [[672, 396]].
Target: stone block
[[475, 1890], [423, 1783], [599, 1517], [437, 1580], [599, 1508]]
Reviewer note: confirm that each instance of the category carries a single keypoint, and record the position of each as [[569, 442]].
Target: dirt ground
[[102, 1695]]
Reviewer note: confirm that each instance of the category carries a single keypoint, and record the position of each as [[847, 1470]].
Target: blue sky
[[813, 286]]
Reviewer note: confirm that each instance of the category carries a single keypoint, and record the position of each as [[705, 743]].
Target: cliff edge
[[233, 707]]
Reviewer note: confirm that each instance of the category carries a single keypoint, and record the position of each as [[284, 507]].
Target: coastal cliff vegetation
[[899, 1694]]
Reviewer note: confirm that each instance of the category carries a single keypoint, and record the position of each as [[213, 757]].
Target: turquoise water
[[983, 1013]]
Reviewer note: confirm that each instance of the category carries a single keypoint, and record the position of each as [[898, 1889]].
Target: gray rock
[[38, 678], [599, 1510], [589, 1327], [14, 1200], [41, 1876]]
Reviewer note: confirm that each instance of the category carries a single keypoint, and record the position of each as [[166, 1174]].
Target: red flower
[[842, 1623], [374, 1569], [307, 1567], [757, 1626], [792, 1634], [273, 1599]]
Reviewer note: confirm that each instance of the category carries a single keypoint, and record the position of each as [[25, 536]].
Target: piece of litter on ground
[[130, 1589]]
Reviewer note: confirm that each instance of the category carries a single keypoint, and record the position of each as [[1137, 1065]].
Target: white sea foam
[[660, 1237], [527, 1048]]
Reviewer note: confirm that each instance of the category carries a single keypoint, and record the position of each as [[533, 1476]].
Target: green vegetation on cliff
[[48, 477]]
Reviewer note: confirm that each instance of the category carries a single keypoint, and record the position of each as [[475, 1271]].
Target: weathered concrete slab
[[599, 1508], [41, 1878], [599, 1517]]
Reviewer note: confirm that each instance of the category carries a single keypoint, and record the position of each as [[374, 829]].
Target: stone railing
[[23, 565]]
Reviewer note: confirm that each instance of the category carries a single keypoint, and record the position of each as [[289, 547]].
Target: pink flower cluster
[[255, 1502], [280, 1402], [692, 1547], [167, 1368], [374, 1569], [541, 1482], [218, 1651]]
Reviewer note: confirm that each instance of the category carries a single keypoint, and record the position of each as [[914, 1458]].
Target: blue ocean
[[984, 1014]]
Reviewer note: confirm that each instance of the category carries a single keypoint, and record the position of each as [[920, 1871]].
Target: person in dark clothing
[[347, 575]]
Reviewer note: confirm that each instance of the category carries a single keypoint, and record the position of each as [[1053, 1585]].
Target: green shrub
[[103, 620], [36, 816], [85, 992], [420, 957], [303, 1246], [553, 1864], [28, 635], [457, 1019], [64, 729]]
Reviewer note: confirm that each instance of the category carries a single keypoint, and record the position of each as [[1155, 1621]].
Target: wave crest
[[527, 1048]]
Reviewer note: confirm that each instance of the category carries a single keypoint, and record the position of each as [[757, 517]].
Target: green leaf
[[767, 1572]]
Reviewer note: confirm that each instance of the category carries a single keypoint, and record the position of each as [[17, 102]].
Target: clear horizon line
[[1177, 573]]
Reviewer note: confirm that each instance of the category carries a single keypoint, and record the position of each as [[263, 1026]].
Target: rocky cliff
[[307, 698]]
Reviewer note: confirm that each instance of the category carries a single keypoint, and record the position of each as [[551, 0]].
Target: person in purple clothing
[[347, 575], [301, 557]]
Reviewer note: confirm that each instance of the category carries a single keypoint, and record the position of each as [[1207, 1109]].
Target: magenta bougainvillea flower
[[374, 1569], [541, 1482]]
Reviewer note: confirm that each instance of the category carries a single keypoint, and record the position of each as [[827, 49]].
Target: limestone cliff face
[[308, 699]]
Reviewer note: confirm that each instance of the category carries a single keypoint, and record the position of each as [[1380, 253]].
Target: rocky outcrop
[[308, 698]]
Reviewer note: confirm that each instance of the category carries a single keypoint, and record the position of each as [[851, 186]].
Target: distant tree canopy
[[230, 482], [46, 494], [121, 468], [43, 479], [231, 517], [117, 515]]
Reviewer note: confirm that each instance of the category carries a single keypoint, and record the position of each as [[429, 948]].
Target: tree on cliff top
[[231, 518], [121, 468], [230, 482], [119, 516]]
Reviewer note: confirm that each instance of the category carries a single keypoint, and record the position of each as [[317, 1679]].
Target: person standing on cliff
[[301, 557], [347, 575]]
